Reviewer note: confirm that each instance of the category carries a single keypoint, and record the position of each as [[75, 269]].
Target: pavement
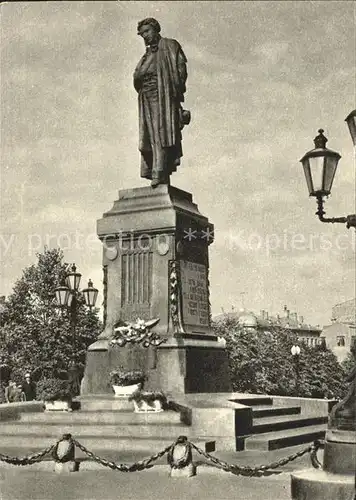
[[92, 481], [152, 484]]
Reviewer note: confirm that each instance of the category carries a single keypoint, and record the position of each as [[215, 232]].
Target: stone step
[[23, 445], [277, 423], [80, 431], [253, 400], [102, 417], [268, 411], [285, 438]]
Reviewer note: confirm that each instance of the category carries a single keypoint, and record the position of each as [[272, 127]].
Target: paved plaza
[[152, 484]]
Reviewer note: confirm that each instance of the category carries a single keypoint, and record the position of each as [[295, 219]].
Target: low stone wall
[[213, 416], [309, 406], [12, 411]]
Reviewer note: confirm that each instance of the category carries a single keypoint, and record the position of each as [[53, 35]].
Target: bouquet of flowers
[[127, 377]]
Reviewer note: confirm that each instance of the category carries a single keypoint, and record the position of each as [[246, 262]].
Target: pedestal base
[[337, 479], [180, 366], [63, 468], [322, 485], [156, 265], [340, 458], [193, 366], [188, 471], [99, 364]]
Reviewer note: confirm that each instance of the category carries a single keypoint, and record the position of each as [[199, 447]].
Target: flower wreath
[[64, 450], [136, 333], [180, 455]]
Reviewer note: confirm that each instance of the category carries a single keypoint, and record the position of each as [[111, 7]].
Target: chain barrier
[[313, 453], [140, 465], [261, 470], [30, 459]]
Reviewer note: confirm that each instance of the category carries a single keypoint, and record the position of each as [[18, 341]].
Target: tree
[[34, 335], [261, 363], [321, 374]]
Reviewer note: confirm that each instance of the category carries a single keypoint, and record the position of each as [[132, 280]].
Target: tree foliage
[[349, 362], [34, 335], [261, 363]]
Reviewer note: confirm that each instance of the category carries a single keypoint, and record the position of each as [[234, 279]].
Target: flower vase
[[124, 391], [57, 405]]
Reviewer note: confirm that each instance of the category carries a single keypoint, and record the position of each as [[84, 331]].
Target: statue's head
[[149, 29]]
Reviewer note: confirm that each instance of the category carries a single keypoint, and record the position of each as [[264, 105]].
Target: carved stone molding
[[105, 294], [175, 301]]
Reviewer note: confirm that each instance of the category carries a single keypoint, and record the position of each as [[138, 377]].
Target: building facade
[[341, 333], [264, 322]]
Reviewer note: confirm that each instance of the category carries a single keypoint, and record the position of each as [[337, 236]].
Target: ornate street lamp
[[320, 166], [62, 295], [90, 295], [295, 351], [68, 297], [340, 440], [73, 279]]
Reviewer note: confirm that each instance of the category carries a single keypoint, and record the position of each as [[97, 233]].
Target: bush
[[53, 389], [124, 377]]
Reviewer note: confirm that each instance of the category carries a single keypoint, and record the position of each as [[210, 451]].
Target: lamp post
[[320, 166], [68, 296], [295, 351]]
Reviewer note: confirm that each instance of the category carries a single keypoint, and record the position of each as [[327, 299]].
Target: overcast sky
[[262, 78]]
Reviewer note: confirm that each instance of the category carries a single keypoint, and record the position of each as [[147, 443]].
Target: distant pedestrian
[[9, 391], [13, 393], [29, 388], [19, 395]]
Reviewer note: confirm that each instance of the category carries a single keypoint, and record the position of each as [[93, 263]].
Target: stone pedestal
[[155, 262], [337, 478]]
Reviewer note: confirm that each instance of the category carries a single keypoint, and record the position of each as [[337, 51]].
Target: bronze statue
[[159, 79]]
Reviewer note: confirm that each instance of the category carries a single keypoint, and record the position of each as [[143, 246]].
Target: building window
[[340, 341]]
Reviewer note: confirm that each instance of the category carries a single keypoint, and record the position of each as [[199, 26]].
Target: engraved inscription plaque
[[194, 283]]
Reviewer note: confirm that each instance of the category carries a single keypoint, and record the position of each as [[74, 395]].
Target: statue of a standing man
[[159, 79]]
